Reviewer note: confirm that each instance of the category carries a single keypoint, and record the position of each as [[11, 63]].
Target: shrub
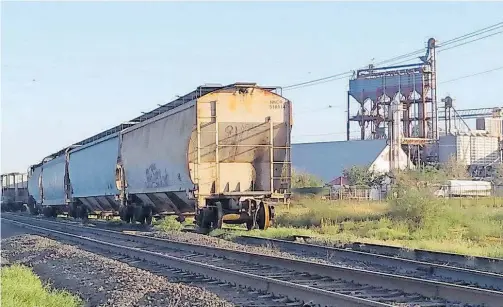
[[169, 223], [304, 180], [414, 205]]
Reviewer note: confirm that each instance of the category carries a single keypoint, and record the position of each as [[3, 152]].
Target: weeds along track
[[288, 279], [451, 268]]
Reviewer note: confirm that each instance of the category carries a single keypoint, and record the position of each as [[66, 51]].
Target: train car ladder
[[286, 173], [197, 164]]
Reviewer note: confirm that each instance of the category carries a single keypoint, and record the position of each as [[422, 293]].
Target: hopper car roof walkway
[[180, 100]]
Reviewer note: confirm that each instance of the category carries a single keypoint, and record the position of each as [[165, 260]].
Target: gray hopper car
[[14, 191], [219, 152]]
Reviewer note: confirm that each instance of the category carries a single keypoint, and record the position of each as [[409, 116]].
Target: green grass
[[466, 226], [473, 227], [22, 288]]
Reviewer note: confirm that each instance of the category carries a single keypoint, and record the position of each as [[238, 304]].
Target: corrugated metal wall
[[470, 149]]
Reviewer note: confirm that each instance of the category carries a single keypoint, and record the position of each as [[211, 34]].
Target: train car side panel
[[34, 184], [53, 182], [154, 157], [92, 169], [92, 174]]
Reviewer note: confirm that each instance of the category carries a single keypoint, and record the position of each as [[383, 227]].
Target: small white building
[[327, 160]]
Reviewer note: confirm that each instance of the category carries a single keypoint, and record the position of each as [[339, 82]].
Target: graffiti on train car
[[155, 177]]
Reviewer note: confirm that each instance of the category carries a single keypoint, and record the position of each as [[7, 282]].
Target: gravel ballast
[[194, 238], [98, 280]]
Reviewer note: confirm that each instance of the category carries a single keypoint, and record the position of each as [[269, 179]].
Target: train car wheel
[[84, 215], [123, 213], [138, 215], [263, 216], [73, 211], [219, 216], [249, 225], [46, 211], [147, 215], [33, 209], [204, 220], [129, 214], [148, 219]]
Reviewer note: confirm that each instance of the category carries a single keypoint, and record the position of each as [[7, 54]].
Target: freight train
[[14, 187], [220, 153]]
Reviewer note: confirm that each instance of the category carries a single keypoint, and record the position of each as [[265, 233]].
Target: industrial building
[[327, 160], [399, 104]]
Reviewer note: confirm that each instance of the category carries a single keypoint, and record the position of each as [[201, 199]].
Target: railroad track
[[444, 267], [296, 280], [478, 272], [487, 264]]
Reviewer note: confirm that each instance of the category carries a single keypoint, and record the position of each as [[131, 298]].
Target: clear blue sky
[[70, 70]]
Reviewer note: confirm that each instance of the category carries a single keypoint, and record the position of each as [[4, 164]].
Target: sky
[[70, 70]]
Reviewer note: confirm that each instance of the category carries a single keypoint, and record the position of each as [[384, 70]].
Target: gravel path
[[98, 280]]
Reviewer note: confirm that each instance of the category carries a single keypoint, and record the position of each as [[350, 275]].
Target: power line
[[458, 45], [407, 55], [474, 33], [302, 85], [473, 40], [317, 80], [323, 134], [472, 75], [304, 111]]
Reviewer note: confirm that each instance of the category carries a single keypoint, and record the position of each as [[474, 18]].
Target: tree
[[455, 169], [497, 177], [304, 180], [427, 175], [363, 176]]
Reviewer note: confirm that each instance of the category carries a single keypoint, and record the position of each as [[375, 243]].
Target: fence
[[478, 193], [357, 193]]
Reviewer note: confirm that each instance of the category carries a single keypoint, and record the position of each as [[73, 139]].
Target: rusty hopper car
[[220, 152], [224, 153], [14, 191]]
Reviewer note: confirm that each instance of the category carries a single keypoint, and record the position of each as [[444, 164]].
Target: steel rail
[[288, 289], [423, 287], [483, 279], [483, 264]]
